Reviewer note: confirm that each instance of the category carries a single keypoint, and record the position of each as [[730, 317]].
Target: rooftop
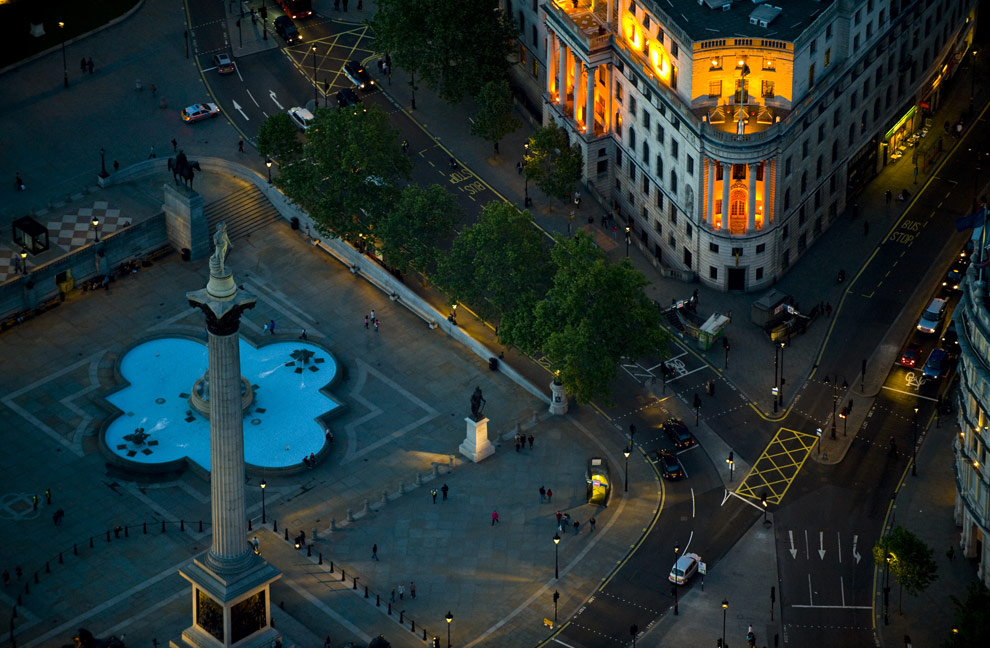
[[701, 22]]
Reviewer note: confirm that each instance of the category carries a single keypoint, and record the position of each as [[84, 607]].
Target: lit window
[[716, 63], [715, 88], [769, 64]]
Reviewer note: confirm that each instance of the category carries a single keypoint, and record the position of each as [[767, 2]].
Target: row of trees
[[562, 301]]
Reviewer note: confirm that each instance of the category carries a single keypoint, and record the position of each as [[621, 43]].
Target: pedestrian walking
[[393, 595], [444, 489], [336, 7], [388, 60], [549, 496], [517, 443], [264, 329], [345, 5], [372, 314], [303, 335], [402, 590], [48, 496], [828, 309], [577, 527], [374, 552], [494, 518], [154, 90], [240, 146], [949, 554], [89, 64], [271, 327], [18, 572], [34, 501], [577, 198], [543, 494], [376, 325], [888, 196], [116, 166], [591, 523], [519, 167], [434, 494], [175, 145], [915, 175], [151, 153], [560, 517], [327, 643], [412, 589], [405, 143], [366, 322], [531, 441], [82, 68]]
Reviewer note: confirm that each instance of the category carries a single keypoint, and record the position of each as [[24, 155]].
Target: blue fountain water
[[280, 426]]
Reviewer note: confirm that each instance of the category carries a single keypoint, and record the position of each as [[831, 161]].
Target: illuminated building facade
[[729, 135], [972, 509]]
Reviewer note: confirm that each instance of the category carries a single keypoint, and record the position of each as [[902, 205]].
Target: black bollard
[[163, 526], [35, 578], [90, 542], [309, 551], [48, 568], [365, 591], [108, 535], [60, 561], [126, 533], [343, 576], [355, 582], [182, 525], [402, 615], [321, 557], [286, 533], [378, 600], [424, 635], [413, 624], [275, 526], [145, 526], [390, 609], [249, 524], [331, 566], [200, 526], [75, 550]]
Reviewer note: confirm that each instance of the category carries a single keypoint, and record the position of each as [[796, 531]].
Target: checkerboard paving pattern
[[10, 263], [75, 228]]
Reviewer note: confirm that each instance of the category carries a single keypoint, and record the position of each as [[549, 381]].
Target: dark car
[[950, 340], [223, 63], [936, 365], [285, 28], [346, 97], [911, 355], [953, 278], [669, 466], [678, 433], [358, 75]]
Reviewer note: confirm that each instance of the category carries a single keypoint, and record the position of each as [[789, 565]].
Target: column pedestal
[[476, 445], [558, 399]]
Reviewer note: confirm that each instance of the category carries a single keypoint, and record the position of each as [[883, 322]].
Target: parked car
[[932, 316], [301, 117], [599, 481], [950, 340], [346, 98], [199, 112], [678, 433], [358, 75], [285, 28], [910, 355], [936, 364], [223, 63], [684, 568], [953, 278], [669, 466]]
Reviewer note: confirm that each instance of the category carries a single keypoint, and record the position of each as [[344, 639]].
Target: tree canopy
[[971, 618], [911, 560], [551, 163], [278, 137], [494, 119], [413, 228], [456, 47], [346, 176]]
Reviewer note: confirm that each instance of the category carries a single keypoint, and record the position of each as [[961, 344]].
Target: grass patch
[[17, 16]]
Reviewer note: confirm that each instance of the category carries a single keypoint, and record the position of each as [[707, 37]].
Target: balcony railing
[[590, 28]]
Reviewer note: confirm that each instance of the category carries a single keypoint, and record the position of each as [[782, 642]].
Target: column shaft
[[751, 207], [551, 41], [710, 206], [726, 180], [577, 87], [589, 100], [562, 76]]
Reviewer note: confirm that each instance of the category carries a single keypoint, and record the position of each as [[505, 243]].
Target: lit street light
[[264, 518], [449, 618], [886, 589], [627, 240], [835, 399], [268, 163], [316, 86], [96, 229], [556, 560], [24, 256], [763, 501], [725, 606], [914, 444], [677, 551], [65, 67], [625, 453]]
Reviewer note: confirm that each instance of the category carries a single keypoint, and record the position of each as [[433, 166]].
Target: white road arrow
[[821, 545], [790, 534], [271, 93], [856, 553], [238, 108]]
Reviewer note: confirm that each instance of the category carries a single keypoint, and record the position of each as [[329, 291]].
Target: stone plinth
[[476, 445], [185, 221], [558, 399]]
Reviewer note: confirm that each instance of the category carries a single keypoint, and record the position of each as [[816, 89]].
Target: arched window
[[632, 138], [646, 152], [737, 211], [673, 181], [835, 151], [804, 182], [659, 168], [819, 166], [787, 199]]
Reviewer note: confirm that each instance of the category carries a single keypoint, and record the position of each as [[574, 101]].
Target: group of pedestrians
[[401, 591], [546, 494], [564, 521], [443, 489], [371, 320], [521, 440], [86, 65]]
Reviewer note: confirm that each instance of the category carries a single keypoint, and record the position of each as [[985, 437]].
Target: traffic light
[[725, 343], [556, 596], [842, 413], [697, 402], [436, 642], [729, 460], [264, 12]]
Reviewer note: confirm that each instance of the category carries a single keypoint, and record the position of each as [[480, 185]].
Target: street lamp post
[[24, 256], [96, 229], [449, 618], [780, 389], [627, 240], [835, 399], [268, 163], [725, 606], [763, 501], [886, 590], [914, 444], [316, 86], [632, 433], [65, 66], [775, 391], [972, 78], [103, 163], [625, 453], [264, 517], [677, 551], [556, 558]]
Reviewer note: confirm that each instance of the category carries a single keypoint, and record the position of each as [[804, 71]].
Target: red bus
[[297, 8]]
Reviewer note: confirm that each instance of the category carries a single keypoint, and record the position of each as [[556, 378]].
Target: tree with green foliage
[[500, 266], [411, 231], [278, 138], [552, 163], [456, 47], [494, 119], [595, 314], [345, 178], [910, 562], [971, 618]]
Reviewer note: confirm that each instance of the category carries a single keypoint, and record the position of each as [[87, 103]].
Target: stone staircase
[[244, 211]]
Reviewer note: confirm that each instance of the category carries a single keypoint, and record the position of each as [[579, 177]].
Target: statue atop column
[[477, 404], [222, 245]]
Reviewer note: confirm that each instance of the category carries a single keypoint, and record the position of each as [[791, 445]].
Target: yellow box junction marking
[[778, 466]]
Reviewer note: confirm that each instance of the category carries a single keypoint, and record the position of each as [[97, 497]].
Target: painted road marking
[[778, 466]]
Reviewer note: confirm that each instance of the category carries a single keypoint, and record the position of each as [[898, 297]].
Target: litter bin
[[493, 363]]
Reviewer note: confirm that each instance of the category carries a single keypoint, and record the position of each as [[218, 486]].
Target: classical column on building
[[230, 583], [609, 112], [710, 205], [577, 87], [551, 73], [726, 181], [751, 195], [562, 77], [589, 100]]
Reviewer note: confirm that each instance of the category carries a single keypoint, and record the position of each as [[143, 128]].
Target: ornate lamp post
[[449, 618], [268, 163], [65, 67], [556, 561], [677, 551], [914, 444], [625, 453], [316, 87], [24, 256], [264, 518], [96, 229], [725, 606], [835, 399], [627, 240]]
